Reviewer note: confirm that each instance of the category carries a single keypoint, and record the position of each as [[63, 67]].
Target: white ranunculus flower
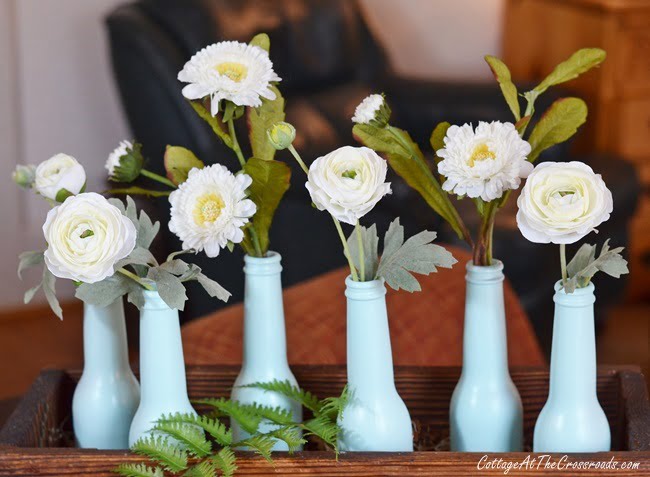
[[348, 182], [86, 236], [562, 202], [57, 173], [210, 208], [484, 162], [368, 109], [229, 70]]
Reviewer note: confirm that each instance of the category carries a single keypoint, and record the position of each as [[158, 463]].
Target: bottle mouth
[[271, 257], [350, 283], [484, 273], [269, 265], [589, 289]]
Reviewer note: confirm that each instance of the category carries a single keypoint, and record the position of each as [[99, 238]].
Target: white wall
[[57, 95]]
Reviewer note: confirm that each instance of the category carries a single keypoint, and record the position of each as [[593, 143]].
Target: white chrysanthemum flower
[[367, 110], [113, 160], [210, 208], [484, 162], [230, 70]]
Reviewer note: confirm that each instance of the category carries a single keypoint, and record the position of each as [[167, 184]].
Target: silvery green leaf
[[213, 288], [105, 292], [136, 295], [175, 267], [417, 255], [170, 288], [131, 210], [370, 242], [173, 255], [191, 274], [117, 203], [139, 256], [49, 288], [147, 230], [29, 294], [609, 261], [570, 285], [29, 259], [583, 257]]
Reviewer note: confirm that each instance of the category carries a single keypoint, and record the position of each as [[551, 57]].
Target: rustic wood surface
[[426, 327], [43, 420]]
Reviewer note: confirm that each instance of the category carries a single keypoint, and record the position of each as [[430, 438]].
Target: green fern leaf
[[212, 426], [243, 414], [287, 389], [323, 428], [225, 460], [207, 468], [138, 470], [187, 434], [260, 443], [333, 406], [160, 450], [276, 415], [291, 435]]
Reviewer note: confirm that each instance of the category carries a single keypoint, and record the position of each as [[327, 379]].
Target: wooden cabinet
[[540, 33]]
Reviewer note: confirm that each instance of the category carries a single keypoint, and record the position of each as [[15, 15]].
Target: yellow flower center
[[208, 208], [481, 153], [235, 71]]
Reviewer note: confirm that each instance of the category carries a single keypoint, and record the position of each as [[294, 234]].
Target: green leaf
[[206, 468], [260, 119], [333, 406], [286, 388], [139, 256], [502, 75], [29, 259], [437, 139], [370, 242], [324, 428], [188, 435], [261, 444], [291, 435], [276, 415], [159, 449], [216, 429], [176, 267], [522, 124], [138, 470], [417, 255], [271, 181], [580, 62], [243, 414], [62, 195], [585, 265], [179, 161], [213, 288], [225, 460], [262, 40], [406, 159], [49, 288], [135, 190], [215, 123], [170, 288], [105, 292], [558, 123], [29, 294]]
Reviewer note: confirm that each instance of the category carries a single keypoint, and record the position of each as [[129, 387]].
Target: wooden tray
[[36, 438]]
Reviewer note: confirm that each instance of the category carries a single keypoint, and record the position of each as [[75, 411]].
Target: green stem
[[235, 143], [295, 154], [135, 278], [483, 247], [158, 178], [362, 263], [256, 240], [346, 250], [565, 275]]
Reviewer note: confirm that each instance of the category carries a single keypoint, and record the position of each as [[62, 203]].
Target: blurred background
[[79, 76]]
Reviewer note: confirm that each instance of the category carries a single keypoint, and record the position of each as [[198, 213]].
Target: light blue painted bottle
[[572, 419], [107, 394], [265, 342], [376, 418], [486, 414], [162, 366]]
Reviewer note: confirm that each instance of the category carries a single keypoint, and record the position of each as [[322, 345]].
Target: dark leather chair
[[329, 61]]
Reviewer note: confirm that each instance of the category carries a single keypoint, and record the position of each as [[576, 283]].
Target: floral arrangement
[[100, 244], [484, 163], [212, 208], [348, 183], [561, 203]]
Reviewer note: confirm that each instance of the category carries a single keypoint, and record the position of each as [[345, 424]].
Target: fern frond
[[260, 443], [287, 389], [225, 460], [191, 436], [276, 415], [324, 428], [138, 470], [216, 429], [207, 468], [243, 414], [333, 406], [162, 451], [291, 435]]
